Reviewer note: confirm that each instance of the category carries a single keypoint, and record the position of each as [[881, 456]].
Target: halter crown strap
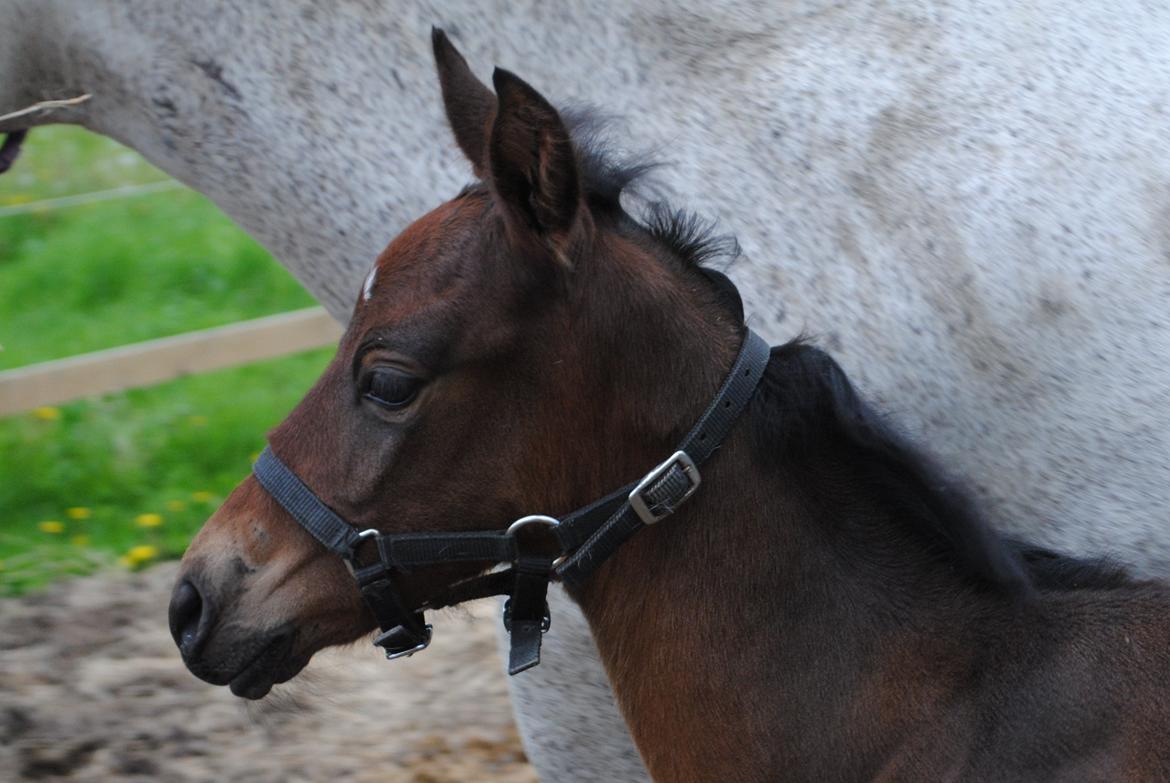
[[663, 489], [586, 537]]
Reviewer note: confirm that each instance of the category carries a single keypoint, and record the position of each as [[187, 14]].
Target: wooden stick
[[61, 103]]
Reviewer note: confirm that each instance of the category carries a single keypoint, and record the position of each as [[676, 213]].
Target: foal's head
[[517, 350]]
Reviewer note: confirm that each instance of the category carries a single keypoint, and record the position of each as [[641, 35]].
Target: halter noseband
[[584, 539]]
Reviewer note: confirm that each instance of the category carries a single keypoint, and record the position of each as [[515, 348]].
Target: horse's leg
[[571, 685]]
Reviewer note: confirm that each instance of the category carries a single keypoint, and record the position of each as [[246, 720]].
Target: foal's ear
[[533, 166], [469, 103]]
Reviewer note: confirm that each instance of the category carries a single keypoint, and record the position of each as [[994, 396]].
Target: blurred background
[[99, 249]]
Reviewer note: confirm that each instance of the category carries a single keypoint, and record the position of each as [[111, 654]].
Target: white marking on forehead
[[368, 286]]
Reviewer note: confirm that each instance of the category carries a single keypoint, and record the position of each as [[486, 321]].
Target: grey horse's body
[[970, 207]]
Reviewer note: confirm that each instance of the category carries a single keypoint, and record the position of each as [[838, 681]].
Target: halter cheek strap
[[585, 538]]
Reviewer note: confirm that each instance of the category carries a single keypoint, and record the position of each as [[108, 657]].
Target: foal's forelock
[[368, 283]]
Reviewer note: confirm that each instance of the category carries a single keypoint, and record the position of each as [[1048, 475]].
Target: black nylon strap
[[306, 508], [733, 396], [673, 486], [387, 607], [576, 528], [526, 612], [406, 551], [482, 586]]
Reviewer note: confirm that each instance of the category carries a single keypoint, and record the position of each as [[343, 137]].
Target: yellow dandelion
[[148, 520], [78, 512], [46, 413], [255, 455], [137, 555], [202, 496], [79, 541], [51, 526], [175, 505], [197, 421]]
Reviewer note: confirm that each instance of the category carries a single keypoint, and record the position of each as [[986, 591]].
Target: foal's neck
[[788, 619]]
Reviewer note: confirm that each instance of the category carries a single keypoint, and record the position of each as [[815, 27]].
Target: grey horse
[[969, 203]]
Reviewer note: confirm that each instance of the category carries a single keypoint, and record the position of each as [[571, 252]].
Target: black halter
[[584, 539]]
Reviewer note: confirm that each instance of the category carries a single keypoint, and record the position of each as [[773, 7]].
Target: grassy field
[[125, 478]]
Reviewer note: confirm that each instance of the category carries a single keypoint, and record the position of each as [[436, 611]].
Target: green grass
[[82, 278], [175, 450], [95, 276], [61, 161]]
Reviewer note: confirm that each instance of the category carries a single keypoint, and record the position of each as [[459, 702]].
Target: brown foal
[[827, 607]]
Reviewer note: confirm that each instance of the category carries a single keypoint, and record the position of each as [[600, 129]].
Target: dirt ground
[[92, 689]]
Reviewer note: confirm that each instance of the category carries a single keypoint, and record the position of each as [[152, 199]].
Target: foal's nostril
[[188, 624]]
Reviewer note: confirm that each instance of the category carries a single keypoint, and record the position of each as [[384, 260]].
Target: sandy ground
[[92, 689]]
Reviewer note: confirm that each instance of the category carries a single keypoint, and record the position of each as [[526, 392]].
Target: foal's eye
[[391, 388]]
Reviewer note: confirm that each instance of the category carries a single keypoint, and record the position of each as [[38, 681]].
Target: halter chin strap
[[584, 539]]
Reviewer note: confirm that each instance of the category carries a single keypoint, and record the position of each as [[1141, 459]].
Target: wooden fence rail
[[154, 361]]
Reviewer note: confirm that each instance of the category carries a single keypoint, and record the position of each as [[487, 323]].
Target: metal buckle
[[545, 622], [349, 561], [638, 502], [403, 652]]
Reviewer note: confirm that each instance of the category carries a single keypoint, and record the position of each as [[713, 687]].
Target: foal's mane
[[608, 175], [806, 406], [806, 402]]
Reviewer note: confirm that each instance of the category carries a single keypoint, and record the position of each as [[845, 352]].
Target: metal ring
[[351, 558], [533, 519]]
